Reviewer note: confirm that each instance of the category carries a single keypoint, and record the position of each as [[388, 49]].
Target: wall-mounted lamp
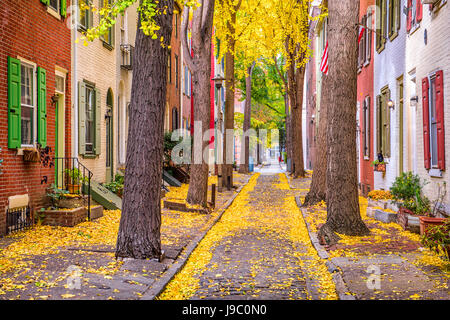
[[391, 104], [415, 99], [55, 99], [108, 113]]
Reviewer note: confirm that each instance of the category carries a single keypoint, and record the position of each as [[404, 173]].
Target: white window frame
[[432, 77], [34, 92], [94, 122]]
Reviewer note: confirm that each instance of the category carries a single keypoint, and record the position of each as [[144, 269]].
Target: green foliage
[[169, 145], [116, 186], [55, 194], [75, 176], [407, 192], [437, 238], [377, 162], [148, 10]]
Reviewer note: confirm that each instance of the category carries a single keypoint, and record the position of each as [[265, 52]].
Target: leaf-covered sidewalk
[[46, 262], [406, 270], [260, 249]]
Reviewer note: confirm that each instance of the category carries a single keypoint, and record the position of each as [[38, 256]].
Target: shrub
[[407, 192], [437, 238]]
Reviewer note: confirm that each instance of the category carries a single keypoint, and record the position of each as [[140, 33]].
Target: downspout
[[75, 80]]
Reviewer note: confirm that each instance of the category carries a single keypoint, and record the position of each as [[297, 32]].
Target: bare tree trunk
[[228, 153], [139, 230], [297, 130], [245, 151], [318, 189], [200, 67], [343, 215], [288, 130]]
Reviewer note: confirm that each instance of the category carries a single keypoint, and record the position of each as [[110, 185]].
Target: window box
[[31, 155]]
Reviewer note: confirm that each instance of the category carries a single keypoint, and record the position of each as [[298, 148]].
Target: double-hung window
[[89, 119], [27, 104], [366, 127], [415, 14], [85, 17], [57, 6], [108, 37], [433, 121], [27, 87]]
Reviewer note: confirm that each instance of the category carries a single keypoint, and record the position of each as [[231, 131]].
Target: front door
[[59, 139], [109, 145]]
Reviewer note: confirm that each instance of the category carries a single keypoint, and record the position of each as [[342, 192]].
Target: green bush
[[437, 238], [407, 192]]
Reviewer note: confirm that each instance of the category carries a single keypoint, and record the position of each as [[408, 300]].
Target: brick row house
[[66, 96], [35, 96], [403, 101]]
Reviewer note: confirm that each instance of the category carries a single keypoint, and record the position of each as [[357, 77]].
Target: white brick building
[[428, 84]]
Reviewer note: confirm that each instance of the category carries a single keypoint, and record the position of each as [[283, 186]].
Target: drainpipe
[[75, 80]]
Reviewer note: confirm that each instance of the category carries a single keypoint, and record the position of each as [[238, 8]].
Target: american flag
[[324, 63]]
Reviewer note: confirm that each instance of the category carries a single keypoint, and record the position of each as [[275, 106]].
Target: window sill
[[435, 173], [54, 13], [89, 156], [107, 45], [414, 29], [366, 158]]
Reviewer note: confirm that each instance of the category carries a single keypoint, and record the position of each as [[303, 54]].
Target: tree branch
[[207, 16]]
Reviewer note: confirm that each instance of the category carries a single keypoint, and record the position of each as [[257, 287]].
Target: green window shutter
[[81, 118], [46, 2], [63, 8], [98, 123], [379, 124], [42, 106], [14, 108]]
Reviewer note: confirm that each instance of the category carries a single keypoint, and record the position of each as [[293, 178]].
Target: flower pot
[[426, 222], [381, 167], [73, 188]]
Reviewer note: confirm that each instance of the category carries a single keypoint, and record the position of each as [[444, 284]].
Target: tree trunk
[[228, 151], [295, 91], [288, 130], [139, 230], [343, 215], [200, 67], [245, 151], [297, 115], [318, 189]]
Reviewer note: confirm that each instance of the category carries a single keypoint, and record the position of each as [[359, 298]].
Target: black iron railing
[[73, 176], [18, 219]]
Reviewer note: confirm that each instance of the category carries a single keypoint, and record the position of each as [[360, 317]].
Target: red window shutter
[[426, 122], [409, 17], [419, 10], [440, 119]]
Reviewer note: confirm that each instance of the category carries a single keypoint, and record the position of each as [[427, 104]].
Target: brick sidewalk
[[44, 263], [406, 270]]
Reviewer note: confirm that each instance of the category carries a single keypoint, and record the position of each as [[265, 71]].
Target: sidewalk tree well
[[343, 212], [200, 66]]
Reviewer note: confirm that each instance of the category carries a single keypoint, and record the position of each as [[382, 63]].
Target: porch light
[[391, 104], [218, 82]]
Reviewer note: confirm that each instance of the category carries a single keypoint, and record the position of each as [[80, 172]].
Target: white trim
[[34, 92], [53, 12]]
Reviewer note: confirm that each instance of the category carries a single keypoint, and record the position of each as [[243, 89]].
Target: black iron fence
[[73, 176], [18, 219]]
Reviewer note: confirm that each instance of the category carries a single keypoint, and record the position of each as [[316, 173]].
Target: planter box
[[408, 221], [381, 167], [65, 218], [386, 217], [426, 222], [96, 212]]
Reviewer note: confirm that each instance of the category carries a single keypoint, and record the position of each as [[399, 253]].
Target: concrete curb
[[336, 272], [159, 285]]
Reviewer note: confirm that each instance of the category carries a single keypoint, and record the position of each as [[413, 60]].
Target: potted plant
[[116, 186], [437, 238], [431, 217], [407, 194], [74, 180], [379, 166]]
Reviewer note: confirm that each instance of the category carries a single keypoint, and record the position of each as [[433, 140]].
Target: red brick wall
[[174, 92], [365, 88], [28, 31]]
